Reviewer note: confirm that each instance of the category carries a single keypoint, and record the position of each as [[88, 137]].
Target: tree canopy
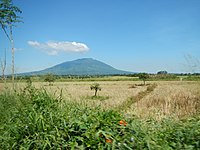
[[143, 76], [162, 72], [49, 78], [96, 87], [8, 15]]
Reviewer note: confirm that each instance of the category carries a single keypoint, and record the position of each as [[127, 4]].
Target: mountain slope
[[85, 66]]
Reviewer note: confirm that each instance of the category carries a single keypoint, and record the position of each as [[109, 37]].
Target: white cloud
[[33, 43], [53, 48]]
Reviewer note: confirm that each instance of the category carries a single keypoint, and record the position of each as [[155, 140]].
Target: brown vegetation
[[169, 99], [164, 99]]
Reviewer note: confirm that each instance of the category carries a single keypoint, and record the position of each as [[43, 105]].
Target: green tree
[[143, 76], [162, 72], [96, 87], [8, 19], [49, 78]]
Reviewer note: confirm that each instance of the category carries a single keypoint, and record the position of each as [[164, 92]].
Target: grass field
[[168, 99], [124, 115]]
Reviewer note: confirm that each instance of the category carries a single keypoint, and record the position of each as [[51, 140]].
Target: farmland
[[178, 98], [123, 115]]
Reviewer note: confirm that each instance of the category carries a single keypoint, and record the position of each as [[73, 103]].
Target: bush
[[50, 78]]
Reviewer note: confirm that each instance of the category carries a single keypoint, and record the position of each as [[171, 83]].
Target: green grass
[[33, 119], [192, 78]]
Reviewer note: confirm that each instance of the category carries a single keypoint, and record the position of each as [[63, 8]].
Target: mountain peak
[[84, 59], [83, 66]]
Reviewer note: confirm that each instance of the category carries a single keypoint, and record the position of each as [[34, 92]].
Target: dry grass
[[134, 99], [1, 87], [117, 92], [169, 99]]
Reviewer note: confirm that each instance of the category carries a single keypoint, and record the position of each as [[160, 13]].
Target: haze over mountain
[[84, 66]]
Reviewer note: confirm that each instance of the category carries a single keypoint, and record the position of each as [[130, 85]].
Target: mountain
[[85, 66]]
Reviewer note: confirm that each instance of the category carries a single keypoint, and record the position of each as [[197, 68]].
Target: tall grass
[[36, 120], [33, 119]]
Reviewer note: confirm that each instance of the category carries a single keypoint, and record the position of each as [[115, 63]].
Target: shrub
[[50, 78]]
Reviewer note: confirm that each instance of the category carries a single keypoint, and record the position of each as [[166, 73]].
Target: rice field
[[175, 99], [168, 99], [124, 115]]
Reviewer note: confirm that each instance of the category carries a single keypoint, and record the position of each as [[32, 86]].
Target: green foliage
[[162, 72], [9, 12], [192, 78], [8, 15], [49, 78], [165, 77], [143, 76], [37, 121], [96, 87], [32, 119]]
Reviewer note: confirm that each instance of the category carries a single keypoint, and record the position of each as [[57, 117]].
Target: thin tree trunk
[[13, 56], [3, 66], [95, 94], [6, 33]]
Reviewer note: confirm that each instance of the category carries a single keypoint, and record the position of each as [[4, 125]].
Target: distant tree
[[49, 78], [162, 72], [143, 76], [8, 19], [96, 87]]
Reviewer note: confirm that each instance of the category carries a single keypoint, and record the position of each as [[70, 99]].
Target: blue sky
[[132, 35]]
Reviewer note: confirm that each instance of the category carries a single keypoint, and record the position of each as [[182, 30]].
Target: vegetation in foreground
[[32, 119]]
